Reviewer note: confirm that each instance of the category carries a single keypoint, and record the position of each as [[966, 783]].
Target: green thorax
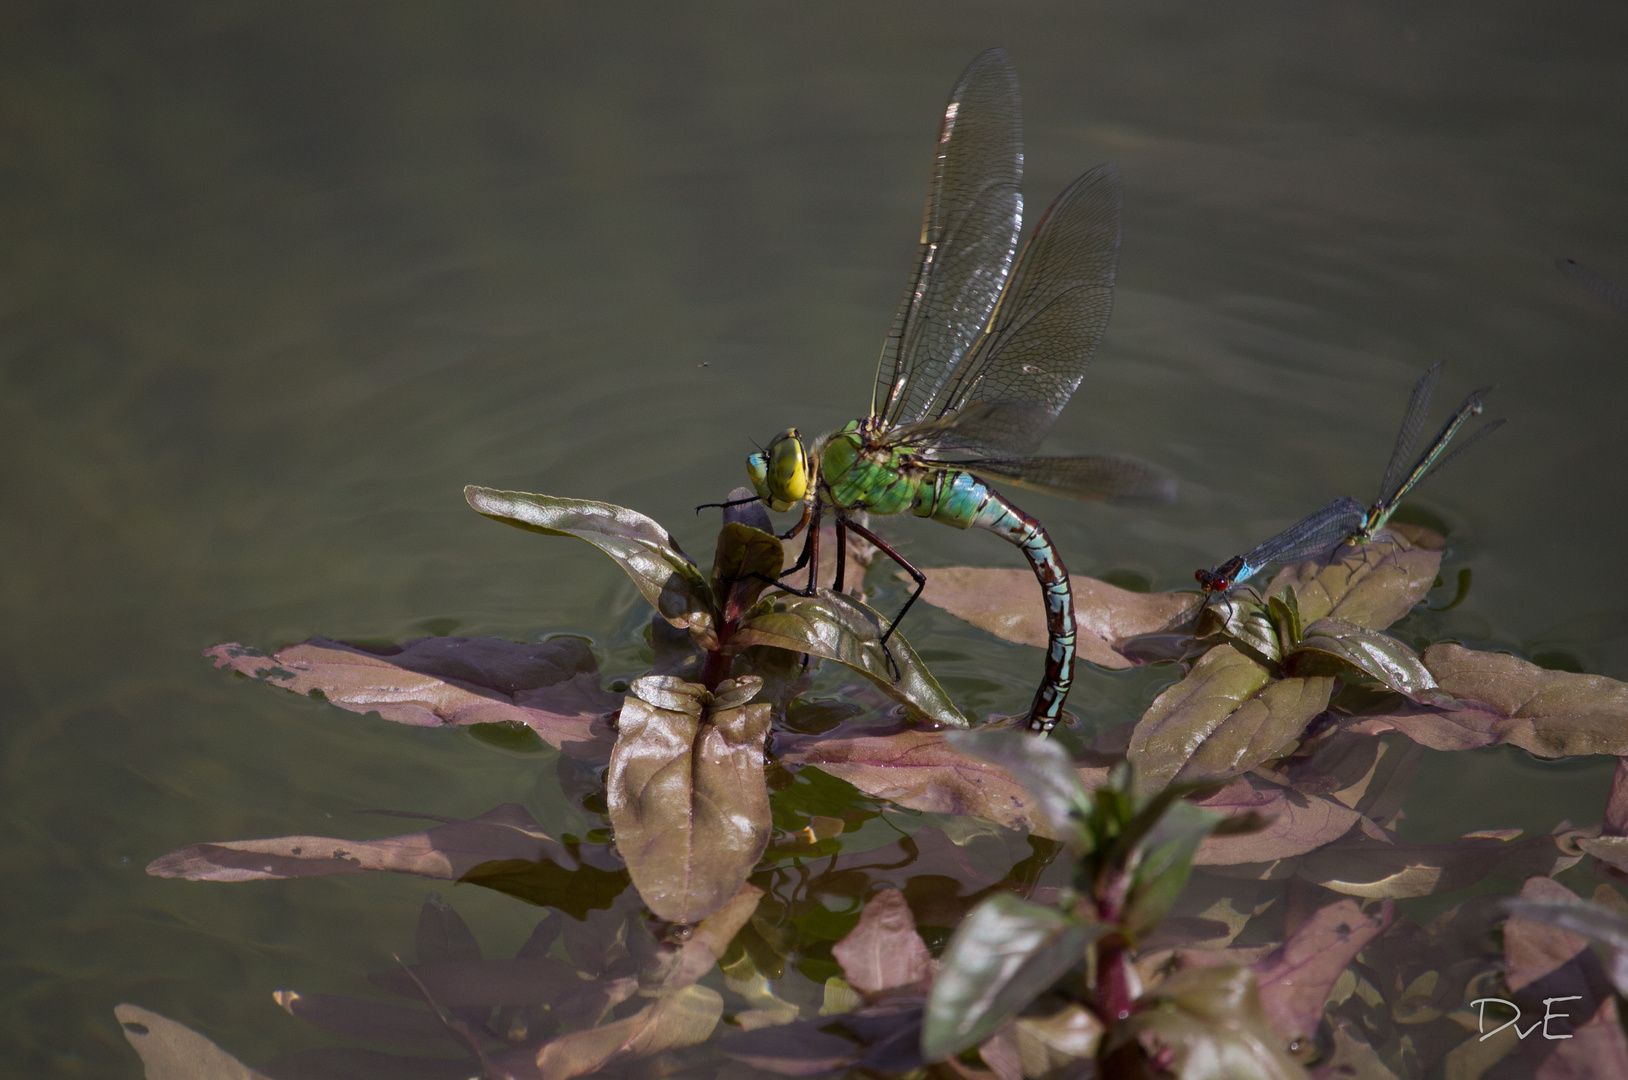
[[861, 470]]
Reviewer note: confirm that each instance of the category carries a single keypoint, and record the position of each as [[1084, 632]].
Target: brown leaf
[[1186, 714], [172, 1051], [681, 965], [1360, 865], [1259, 729], [687, 796], [448, 852], [883, 954], [1550, 713], [552, 686], [1544, 962], [1007, 603], [358, 1018], [1296, 977], [1371, 585], [680, 1018], [1299, 822], [920, 770], [457, 983]]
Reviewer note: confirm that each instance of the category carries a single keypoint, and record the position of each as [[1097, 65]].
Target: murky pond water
[[278, 281]]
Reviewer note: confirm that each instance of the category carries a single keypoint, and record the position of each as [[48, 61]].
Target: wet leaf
[[448, 851], [1164, 861], [921, 770], [552, 687], [837, 627], [1591, 920], [652, 558], [171, 1051], [1003, 956], [1046, 1044], [1184, 715], [1295, 978], [1361, 865], [1336, 647], [688, 800], [1545, 963], [1550, 713], [678, 965], [1298, 822], [883, 954], [748, 560], [1208, 1023], [1040, 765], [358, 1018], [1007, 603], [680, 1018], [1247, 623], [1371, 585], [459, 984], [1258, 730]]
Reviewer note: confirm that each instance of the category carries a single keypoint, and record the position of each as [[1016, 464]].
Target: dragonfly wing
[[1463, 448], [1413, 422], [969, 231], [1049, 320], [1095, 479], [1312, 535]]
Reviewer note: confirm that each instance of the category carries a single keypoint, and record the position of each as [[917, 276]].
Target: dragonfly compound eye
[[780, 474]]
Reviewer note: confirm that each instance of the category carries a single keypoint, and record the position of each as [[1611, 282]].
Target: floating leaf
[[484, 984], [1550, 713], [1184, 715], [687, 795], [171, 1051], [1040, 765], [448, 852], [1258, 730], [1001, 958], [1295, 978], [837, 627], [552, 686], [1545, 964], [884, 1038], [1008, 604], [1204, 1023], [1371, 585], [921, 770], [1336, 647], [883, 955], [651, 557]]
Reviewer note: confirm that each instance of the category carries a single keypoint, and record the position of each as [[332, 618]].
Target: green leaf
[[1040, 765], [1336, 647], [1371, 585], [837, 627], [652, 558], [1181, 718], [1258, 730], [1247, 624], [1207, 1022], [687, 794], [1164, 862], [1004, 955]]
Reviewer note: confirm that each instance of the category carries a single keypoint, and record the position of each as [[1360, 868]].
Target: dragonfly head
[[780, 474], [1220, 579]]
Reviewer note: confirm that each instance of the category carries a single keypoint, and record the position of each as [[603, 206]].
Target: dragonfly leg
[[808, 511], [726, 505], [910, 568], [842, 551]]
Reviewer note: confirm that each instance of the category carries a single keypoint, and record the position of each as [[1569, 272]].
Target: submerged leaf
[[172, 1051], [651, 557], [680, 1018], [1040, 765], [1371, 585], [1001, 958], [837, 627], [1296, 977], [1008, 604], [550, 686], [1360, 865], [1297, 822], [1050, 1045], [884, 955], [687, 794], [1205, 1023], [1184, 715]]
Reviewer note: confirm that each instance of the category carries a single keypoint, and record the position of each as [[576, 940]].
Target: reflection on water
[[277, 285]]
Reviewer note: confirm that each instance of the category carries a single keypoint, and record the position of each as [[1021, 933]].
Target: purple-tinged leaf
[[1592, 920], [1550, 713], [551, 687], [672, 584], [1007, 603], [443, 935], [1004, 955], [797, 1049], [678, 965], [1057, 1044], [1371, 585], [351, 1064], [1295, 978], [447, 851], [1545, 964], [687, 794], [883, 955], [1361, 865], [371, 1021], [483, 983], [172, 1051], [1298, 822], [1040, 765]]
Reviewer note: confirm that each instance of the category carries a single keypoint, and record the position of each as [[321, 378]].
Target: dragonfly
[[1345, 520], [984, 352]]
